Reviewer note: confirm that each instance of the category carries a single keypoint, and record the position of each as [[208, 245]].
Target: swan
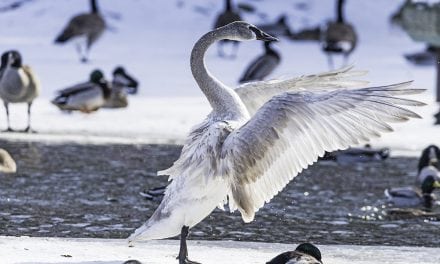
[[85, 97], [305, 253], [7, 163], [228, 15], [89, 26], [18, 84], [339, 37], [262, 66], [260, 136], [122, 84]]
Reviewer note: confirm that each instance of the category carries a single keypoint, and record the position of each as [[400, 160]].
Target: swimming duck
[[7, 163], [339, 37], [229, 15], [412, 196], [359, 154], [260, 136], [262, 66], [18, 84], [88, 26], [305, 253], [85, 97], [122, 84]]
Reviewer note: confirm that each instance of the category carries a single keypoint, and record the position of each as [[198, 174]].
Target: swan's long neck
[[223, 99]]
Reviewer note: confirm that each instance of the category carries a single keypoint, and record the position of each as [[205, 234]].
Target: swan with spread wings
[[261, 135]]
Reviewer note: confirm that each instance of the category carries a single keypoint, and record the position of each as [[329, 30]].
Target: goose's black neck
[[228, 5], [94, 6], [340, 11]]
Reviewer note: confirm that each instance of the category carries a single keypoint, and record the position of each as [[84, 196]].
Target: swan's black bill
[[261, 35]]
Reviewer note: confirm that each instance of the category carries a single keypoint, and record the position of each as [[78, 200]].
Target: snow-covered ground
[[153, 40], [115, 251]]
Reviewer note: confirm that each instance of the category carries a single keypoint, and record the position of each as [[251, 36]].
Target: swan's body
[[122, 84], [18, 84], [85, 97], [305, 253], [260, 136], [88, 26], [339, 37], [262, 66], [7, 163]]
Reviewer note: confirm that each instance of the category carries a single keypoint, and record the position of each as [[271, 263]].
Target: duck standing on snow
[[339, 37], [305, 253], [262, 66], [18, 84], [7, 163], [229, 15], [260, 136], [122, 84], [85, 97], [88, 27]]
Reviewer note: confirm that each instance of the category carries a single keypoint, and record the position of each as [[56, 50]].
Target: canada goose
[[122, 84], [89, 26], [305, 253], [18, 84], [229, 15], [234, 156], [262, 66], [430, 156], [278, 29], [339, 37], [7, 163], [85, 97]]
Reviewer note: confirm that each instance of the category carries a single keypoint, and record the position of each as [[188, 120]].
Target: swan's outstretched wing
[[255, 94], [291, 130]]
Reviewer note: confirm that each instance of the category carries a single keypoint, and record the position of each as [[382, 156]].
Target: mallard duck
[[7, 163], [89, 26], [305, 253], [18, 84], [339, 37], [85, 97], [229, 15], [413, 196], [261, 135], [122, 84], [262, 66], [359, 154]]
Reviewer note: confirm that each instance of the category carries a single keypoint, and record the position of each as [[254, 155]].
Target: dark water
[[72, 190]]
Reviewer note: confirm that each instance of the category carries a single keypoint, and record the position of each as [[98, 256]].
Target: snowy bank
[[108, 251]]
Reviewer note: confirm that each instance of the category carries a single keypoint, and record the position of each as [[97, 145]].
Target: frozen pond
[[73, 190]]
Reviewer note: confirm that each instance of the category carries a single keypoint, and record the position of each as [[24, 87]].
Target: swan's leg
[[9, 129], [183, 252], [28, 128]]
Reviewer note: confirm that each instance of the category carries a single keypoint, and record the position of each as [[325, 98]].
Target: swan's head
[[241, 31]]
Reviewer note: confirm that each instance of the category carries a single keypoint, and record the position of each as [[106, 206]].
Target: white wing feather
[[255, 94], [292, 130]]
